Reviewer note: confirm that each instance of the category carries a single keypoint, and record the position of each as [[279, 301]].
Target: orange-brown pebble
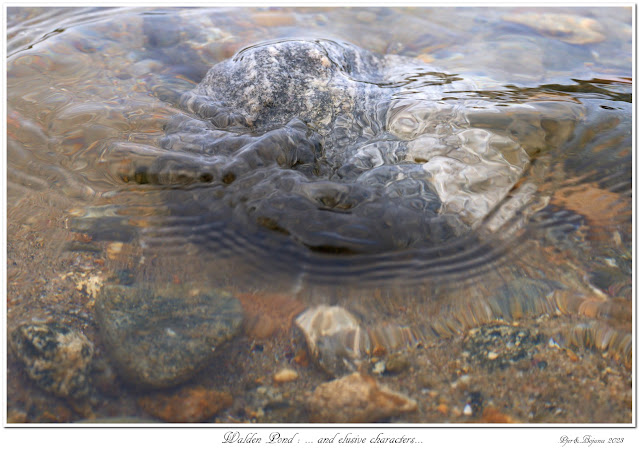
[[301, 358], [493, 415], [188, 405], [379, 350], [285, 375], [83, 237], [442, 408], [356, 398], [572, 355]]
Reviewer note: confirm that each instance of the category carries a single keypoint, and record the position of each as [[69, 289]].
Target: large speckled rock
[[162, 337], [345, 150], [55, 356]]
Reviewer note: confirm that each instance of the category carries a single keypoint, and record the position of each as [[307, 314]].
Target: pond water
[[426, 171]]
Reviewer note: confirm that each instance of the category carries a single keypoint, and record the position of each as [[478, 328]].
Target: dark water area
[[338, 185]]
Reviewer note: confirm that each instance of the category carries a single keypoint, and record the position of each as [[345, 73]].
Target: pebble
[[160, 338], [56, 357], [379, 367], [568, 28], [356, 398], [493, 415], [285, 375], [397, 363], [114, 249], [334, 338], [189, 405]]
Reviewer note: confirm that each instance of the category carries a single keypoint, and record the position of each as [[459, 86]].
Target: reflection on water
[[427, 170]]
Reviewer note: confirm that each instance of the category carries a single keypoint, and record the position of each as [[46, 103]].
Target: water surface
[[93, 94]]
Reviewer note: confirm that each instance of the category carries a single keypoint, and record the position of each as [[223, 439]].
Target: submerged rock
[[339, 344], [188, 405], [55, 356], [161, 338], [356, 398], [334, 338], [345, 150]]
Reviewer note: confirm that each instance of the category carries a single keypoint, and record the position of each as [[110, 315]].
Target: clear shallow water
[[91, 91]]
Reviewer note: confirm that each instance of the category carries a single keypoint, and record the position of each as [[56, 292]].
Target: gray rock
[[162, 337], [345, 150], [55, 356]]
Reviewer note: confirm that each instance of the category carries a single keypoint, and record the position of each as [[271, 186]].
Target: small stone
[[572, 355], [356, 398], [461, 383], [493, 415], [492, 355], [379, 367], [113, 249], [442, 408], [468, 410], [189, 405], [334, 338], [397, 363], [301, 358], [162, 337], [55, 356], [285, 375]]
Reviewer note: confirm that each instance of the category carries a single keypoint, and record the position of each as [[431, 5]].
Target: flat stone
[[55, 356], [161, 338], [397, 363], [356, 398], [188, 405], [285, 375]]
